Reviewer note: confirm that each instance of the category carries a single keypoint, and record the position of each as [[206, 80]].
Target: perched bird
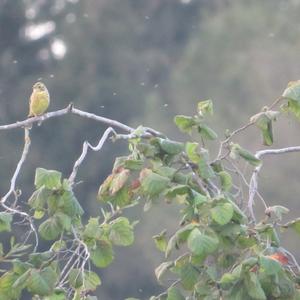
[[39, 100]]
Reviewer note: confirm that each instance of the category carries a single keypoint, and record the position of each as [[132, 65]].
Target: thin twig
[[226, 141], [276, 102]]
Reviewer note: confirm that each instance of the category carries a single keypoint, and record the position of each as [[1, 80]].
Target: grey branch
[[69, 109], [261, 153], [19, 165], [85, 147], [12, 189], [253, 186]]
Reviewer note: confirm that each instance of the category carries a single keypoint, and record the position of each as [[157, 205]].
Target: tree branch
[[19, 165], [85, 147], [228, 139], [69, 109], [253, 185]]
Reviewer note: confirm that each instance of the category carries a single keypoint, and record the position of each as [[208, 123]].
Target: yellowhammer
[[39, 100]]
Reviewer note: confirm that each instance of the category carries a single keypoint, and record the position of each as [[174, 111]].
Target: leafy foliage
[[217, 251]]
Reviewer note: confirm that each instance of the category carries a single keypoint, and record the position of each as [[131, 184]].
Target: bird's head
[[39, 86]]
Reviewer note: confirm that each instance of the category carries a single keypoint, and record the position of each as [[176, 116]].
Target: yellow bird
[[39, 100]]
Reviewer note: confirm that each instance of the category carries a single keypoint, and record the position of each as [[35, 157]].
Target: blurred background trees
[[141, 62]]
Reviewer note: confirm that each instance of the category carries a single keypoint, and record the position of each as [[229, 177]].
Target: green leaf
[[57, 246], [38, 214], [49, 178], [172, 243], [50, 229], [37, 259], [20, 267], [133, 164], [174, 294], [102, 254], [118, 181], [178, 189], [238, 292], [146, 149], [226, 181], [171, 147], [199, 199], [205, 108], [269, 232], [237, 150], [75, 278], [249, 157], [21, 282], [228, 280], [42, 282], [165, 171], [192, 152], [286, 286], [91, 280], [52, 203], [121, 198], [92, 229], [121, 232], [263, 121], [5, 221], [201, 244], [88, 279], [205, 170], [206, 132], [295, 224], [161, 241], [270, 266], [6, 291], [59, 294], [278, 211], [161, 270], [253, 286], [69, 204], [183, 233], [293, 106], [152, 183], [292, 91], [119, 163], [104, 188], [184, 123], [222, 213], [200, 157], [238, 215], [39, 198], [63, 220], [189, 276]]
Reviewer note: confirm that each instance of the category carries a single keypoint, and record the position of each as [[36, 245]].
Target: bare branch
[[61, 112], [253, 185], [261, 153], [110, 122], [28, 122], [85, 147], [19, 165]]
